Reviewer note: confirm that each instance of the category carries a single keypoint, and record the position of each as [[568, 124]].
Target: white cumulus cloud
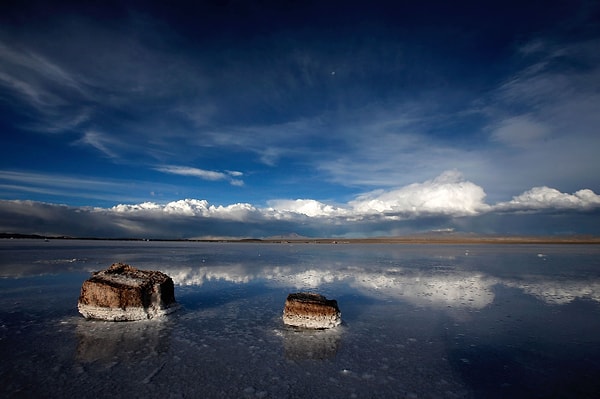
[[446, 202], [135, 207], [190, 207], [542, 198], [308, 207], [447, 194]]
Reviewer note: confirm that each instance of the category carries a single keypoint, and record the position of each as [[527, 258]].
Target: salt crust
[[127, 314]]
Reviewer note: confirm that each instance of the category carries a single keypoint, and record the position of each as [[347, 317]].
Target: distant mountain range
[[289, 236], [18, 235]]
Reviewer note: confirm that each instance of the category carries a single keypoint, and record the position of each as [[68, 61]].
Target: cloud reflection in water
[[447, 287]]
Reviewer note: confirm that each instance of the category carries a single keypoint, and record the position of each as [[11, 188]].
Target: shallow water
[[419, 321]]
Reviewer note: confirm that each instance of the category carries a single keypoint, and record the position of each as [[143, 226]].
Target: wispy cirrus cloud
[[74, 188], [521, 131], [104, 143], [203, 174], [59, 181], [390, 146], [32, 75], [45, 87], [547, 113]]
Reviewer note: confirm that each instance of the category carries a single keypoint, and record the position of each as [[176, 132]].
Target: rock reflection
[[300, 344], [107, 342]]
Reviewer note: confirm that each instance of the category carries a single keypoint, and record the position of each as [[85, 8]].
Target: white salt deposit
[[124, 314]]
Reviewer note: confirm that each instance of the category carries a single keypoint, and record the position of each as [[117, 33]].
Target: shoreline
[[416, 239], [444, 240]]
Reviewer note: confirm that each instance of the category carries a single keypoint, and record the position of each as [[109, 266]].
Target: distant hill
[[431, 237], [18, 235], [30, 236], [290, 236]]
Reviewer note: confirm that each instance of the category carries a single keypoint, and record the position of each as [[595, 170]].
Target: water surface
[[419, 321]]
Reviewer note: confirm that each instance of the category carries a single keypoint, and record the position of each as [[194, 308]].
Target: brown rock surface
[[124, 293], [309, 310]]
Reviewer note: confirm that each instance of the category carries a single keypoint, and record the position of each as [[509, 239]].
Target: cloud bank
[[448, 202]]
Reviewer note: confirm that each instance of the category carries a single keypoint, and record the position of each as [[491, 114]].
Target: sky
[[225, 119]]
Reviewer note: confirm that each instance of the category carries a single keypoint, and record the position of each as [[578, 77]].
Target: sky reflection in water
[[419, 321]]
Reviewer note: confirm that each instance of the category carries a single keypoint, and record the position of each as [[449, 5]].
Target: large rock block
[[124, 293], [308, 310]]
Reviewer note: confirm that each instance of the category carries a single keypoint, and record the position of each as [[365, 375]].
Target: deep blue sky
[[248, 118]]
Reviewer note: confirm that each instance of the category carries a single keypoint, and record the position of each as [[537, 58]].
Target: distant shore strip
[[425, 239]]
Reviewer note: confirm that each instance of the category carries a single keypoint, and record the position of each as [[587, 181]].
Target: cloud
[[379, 123], [203, 174], [307, 207], [446, 202], [546, 113], [447, 194], [398, 142], [15, 184], [544, 198], [187, 207], [366, 140], [270, 142], [520, 131], [32, 75], [100, 142], [57, 184], [45, 87], [98, 83]]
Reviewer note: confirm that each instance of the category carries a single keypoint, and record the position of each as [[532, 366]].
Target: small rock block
[[309, 310], [124, 293]]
